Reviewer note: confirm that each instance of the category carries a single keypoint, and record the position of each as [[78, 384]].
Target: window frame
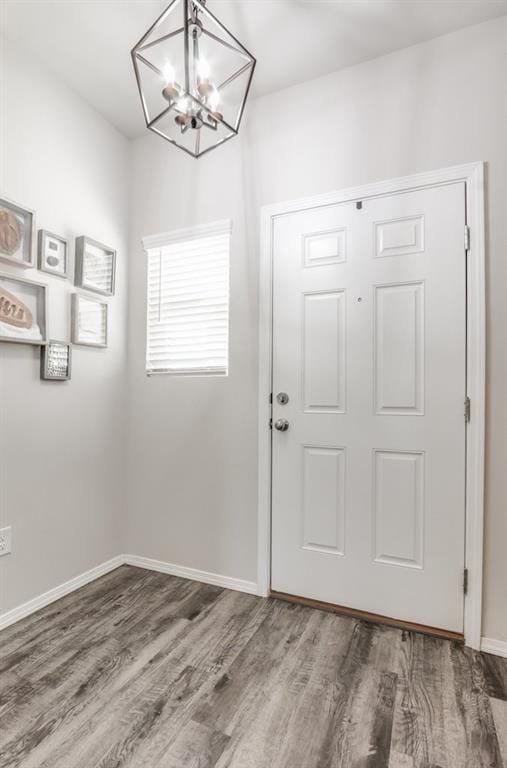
[[187, 234]]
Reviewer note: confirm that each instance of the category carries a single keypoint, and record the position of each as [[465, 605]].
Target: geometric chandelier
[[193, 77]]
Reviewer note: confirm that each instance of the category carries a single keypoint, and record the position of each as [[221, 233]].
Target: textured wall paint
[[61, 445], [192, 448]]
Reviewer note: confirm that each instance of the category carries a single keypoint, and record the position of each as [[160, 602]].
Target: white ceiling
[[87, 42]]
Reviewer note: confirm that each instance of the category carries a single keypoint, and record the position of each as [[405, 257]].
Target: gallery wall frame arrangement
[[56, 361], [23, 310], [89, 321], [17, 234], [53, 254], [24, 302], [95, 266]]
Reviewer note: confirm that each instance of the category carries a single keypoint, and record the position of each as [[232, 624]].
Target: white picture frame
[[95, 266], [23, 310], [89, 321], [17, 234], [53, 254]]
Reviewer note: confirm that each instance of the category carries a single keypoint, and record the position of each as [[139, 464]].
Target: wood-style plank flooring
[[144, 670]]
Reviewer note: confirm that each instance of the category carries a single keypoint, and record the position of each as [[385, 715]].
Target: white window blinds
[[188, 301]]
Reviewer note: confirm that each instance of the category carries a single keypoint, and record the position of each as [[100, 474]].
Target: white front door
[[369, 343]]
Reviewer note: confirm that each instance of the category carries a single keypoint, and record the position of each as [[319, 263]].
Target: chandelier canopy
[[193, 77]]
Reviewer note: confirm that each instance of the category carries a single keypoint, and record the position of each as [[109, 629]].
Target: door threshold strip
[[375, 618]]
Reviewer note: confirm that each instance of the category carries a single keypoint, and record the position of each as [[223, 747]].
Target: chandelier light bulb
[[214, 99], [204, 85], [203, 69], [171, 91], [168, 73]]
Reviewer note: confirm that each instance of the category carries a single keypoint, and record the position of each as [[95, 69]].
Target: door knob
[[282, 425]]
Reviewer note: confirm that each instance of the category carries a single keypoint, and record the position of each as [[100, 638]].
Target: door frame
[[472, 175]]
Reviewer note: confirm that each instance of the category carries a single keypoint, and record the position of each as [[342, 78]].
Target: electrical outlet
[[5, 541]]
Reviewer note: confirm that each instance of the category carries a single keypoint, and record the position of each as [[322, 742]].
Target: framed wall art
[[89, 321], [55, 361], [95, 266], [23, 310], [53, 254], [17, 234]]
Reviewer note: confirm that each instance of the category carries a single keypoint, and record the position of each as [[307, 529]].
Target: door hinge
[[467, 238], [465, 581], [467, 409]]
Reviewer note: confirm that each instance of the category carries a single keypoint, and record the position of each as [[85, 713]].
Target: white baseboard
[[10, 617], [16, 614], [498, 647], [228, 582], [488, 645]]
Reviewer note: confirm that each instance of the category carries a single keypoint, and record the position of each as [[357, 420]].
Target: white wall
[[192, 442], [61, 444], [192, 470]]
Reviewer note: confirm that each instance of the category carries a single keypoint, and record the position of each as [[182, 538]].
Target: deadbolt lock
[[282, 398]]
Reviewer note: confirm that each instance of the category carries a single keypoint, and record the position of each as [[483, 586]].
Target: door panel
[[324, 247], [399, 237], [369, 342], [323, 358], [399, 508], [323, 498], [399, 347]]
